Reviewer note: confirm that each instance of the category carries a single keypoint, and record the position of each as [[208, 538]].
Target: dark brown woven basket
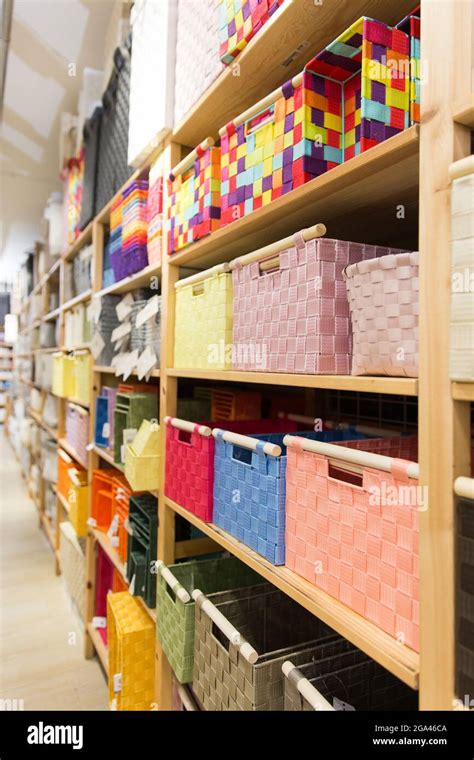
[[465, 601], [266, 622]]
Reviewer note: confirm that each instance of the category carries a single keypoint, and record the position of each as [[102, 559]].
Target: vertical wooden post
[[446, 65]]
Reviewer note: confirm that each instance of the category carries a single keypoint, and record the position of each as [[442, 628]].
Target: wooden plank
[[195, 547], [400, 386], [63, 502], [293, 35], [147, 278], [464, 112], [107, 457], [463, 391], [84, 238], [99, 646], [77, 300], [104, 541], [64, 443], [111, 371], [398, 659], [340, 198], [445, 26]]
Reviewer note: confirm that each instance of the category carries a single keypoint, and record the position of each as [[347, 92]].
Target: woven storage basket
[[142, 546], [101, 501], [77, 431], [129, 412], [352, 530], [63, 383], [72, 485], [82, 368], [411, 25], [343, 682], [236, 405], [203, 320], [190, 460], [239, 21], [194, 206], [131, 639], [73, 566], [91, 138], [155, 212], [384, 305], [462, 262], [81, 268], [175, 607], [104, 575], [142, 458], [120, 509], [290, 304], [465, 590], [250, 487], [270, 627]]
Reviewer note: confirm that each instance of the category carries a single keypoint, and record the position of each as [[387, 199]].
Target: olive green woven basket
[[218, 578]]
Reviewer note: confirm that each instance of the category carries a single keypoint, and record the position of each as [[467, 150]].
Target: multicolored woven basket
[[239, 21]]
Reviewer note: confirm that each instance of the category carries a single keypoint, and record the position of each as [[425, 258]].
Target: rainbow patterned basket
[[239, 21]]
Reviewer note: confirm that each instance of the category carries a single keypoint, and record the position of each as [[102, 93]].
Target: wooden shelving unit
[[356, 201]]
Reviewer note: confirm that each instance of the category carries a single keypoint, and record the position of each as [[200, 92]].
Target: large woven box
[[352, 530], [190, 447], [462, 263], [73, 565], [465, 597], [81, 373], [131, 654], [383, 296], [63, 383], [142, 458], [239, 21], [142, 546], [129, 412], [290, 310], [344, 681], [353, 95], [194, 187], [77, 431], [203, 320], [266, 628], [250, 487], [411, 25], [104, 578], [175, 607]]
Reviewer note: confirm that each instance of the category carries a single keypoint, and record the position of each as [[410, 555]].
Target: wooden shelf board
[[464, 112], [104, 541], [39, 421], [72, 400], [84, 238], [76, 300], [51, 315], [463, 391], [64, 502], [294, 34], [400, 386], [79, 347], [139, 280], [47, 350], [107, 457], [355, 201], [69, 449], [398, 659], [111, 371], [99, 646]]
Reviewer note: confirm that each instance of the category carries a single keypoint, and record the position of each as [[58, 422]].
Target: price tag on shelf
[[131, 588], [146, 362], [114, 541], [95, 308], [124, 308], [130, 363], [339, 704], [92, 522], [105, 430], [99, 622], [97, 345], [113, 527], [90, 446], [148, 311], [117, 683], [121, 331]]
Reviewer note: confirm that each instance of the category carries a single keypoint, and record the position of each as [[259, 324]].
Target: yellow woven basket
[[142, 458], [82, 368], [203, 326], [131, 641], [78, 500], [63, 375]]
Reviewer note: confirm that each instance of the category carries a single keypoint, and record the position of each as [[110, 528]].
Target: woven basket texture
[[465, 599], [131, 652], [130, 410], [203, 323], [91, 136], [77, 431], [175, 619], [276, 626], [296, 318], [63, 375], [239, 21], [81, 373], [142, 545], [462, 263], [357, 539], [384, 304], [73, 566]]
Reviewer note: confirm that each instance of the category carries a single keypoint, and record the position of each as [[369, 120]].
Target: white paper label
[[124, 308], [90, 446], [130, 364], [148, 311], [124, 329], [131, 588], [99, 622], [338, 704], [113, 705], [95, 308], [114, 541], [117, 683], [146, 362], [105, 430], [92, 522], [113, 527], [97, 345]]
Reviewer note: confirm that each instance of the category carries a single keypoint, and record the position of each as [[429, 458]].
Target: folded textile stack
[[134, 226]]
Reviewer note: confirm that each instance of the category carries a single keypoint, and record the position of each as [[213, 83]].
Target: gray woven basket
[[264, 623]]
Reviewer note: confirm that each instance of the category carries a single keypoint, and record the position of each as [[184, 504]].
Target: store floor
[[41, 642]]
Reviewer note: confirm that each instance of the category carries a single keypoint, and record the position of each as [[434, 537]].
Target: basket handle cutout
[[345, 475], [225, 626], [184, 436], [198, 289], [260, 120], [244, 456]]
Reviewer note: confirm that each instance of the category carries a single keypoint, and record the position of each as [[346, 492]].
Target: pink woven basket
[[295, 317], [384, 306], [354, 532]]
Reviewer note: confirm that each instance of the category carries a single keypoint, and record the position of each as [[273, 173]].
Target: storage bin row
[[306, 304], [360, 90], [246, 646], [77, 431], [71, 375], [337, 506]]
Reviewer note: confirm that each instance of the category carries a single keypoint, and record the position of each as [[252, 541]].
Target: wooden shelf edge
[[462, 391], [63, 501], [81, 240], [400, 386], [99, 646], [103, 454], [131, 282], [76, 300], [111, 371], [398, 659], [464, 112], [64, 444]]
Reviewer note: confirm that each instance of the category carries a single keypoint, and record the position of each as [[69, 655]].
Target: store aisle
[[41, 642]]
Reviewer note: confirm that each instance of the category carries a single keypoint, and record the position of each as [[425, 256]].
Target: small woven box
[[63, 383], [73, 565], [175, 607], [142, 458], [77, 431], [383, 298]]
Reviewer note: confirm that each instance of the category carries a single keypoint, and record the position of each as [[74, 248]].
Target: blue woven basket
[[101, 417], [250, 490]]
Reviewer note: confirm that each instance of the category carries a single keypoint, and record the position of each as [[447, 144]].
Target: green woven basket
[[217, 578], [130, 411]]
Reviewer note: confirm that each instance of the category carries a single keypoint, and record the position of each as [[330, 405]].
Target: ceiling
[[51, 42]]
